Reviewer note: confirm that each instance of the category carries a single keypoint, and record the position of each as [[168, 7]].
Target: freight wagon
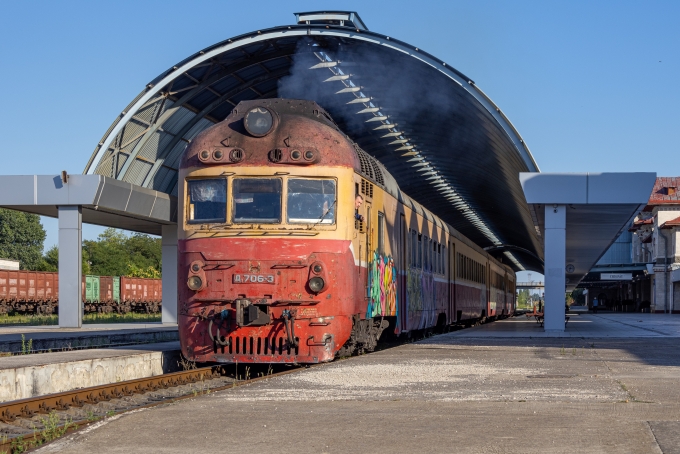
[[37, 292]]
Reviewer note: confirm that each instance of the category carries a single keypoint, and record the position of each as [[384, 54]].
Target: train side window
[[207, 201], [407, 251], [381, 233], [414, 250], [420, 251], [433, 262], [435, 258], [428, 254], [439, 258], [443, 259]]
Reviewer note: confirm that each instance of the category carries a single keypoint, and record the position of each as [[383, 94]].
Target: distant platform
[[604, 325], [44, 338]]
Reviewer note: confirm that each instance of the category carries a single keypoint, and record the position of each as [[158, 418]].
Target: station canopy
[[446, 143]]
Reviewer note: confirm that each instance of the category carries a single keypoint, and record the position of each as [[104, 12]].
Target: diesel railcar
[[277, 264]]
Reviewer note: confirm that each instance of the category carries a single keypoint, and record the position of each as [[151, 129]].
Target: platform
[[447, 393], [24, 376], [590, 326], [44, 338]]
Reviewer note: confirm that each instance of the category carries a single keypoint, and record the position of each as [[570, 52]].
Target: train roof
[[374, 171]]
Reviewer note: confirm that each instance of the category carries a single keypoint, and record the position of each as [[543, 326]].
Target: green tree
[[522, 298], [115, 254], [108, 256], [50, 261], [21, 238], [145, 251]]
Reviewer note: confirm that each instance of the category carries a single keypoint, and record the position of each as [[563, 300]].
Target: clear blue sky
[[591, 86]]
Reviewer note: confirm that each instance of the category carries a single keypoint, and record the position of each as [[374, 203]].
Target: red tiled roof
[[666, 191], [639, 223], [671, 224]]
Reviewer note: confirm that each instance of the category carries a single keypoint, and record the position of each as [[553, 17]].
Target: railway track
[[29, 423]]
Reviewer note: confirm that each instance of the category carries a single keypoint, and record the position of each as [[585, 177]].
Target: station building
[[641, 270]]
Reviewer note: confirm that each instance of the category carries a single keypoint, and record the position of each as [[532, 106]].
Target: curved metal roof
[[443, 139]]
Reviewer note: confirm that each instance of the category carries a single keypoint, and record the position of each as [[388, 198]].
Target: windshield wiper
[[323, 215]]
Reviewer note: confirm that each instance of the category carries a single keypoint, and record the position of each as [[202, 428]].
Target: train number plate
[[253, 278]]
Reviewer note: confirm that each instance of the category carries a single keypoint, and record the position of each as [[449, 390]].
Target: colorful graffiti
[[421, 299], [382, 287]]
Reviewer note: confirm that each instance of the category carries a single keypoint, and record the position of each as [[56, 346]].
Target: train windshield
[[257, 200], [311, 201], [207, 201]]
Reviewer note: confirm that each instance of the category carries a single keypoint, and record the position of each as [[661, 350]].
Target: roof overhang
[[446, 143], [599, 207], [104, 201]]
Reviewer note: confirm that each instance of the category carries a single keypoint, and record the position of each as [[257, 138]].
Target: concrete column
[[70, 266], [169, 250], [555, 258]]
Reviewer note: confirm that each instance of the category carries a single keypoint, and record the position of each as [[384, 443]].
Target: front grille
[[261, 346]]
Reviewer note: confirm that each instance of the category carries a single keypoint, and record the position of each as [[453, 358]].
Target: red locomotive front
[[267, 267]]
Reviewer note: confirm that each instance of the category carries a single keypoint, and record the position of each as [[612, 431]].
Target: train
[[37, 293], [297, 246]]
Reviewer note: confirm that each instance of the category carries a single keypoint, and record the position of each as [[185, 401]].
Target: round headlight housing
[[195, 283], [258, 121], [316, 284], [317, 268]]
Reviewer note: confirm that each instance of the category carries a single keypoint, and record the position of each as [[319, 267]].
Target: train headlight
[[258, 121], [195, 283], [317, 268], [316, 284]]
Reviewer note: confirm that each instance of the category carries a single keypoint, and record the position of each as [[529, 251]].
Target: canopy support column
[[555, 258], [70, 266], [169, 251]]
